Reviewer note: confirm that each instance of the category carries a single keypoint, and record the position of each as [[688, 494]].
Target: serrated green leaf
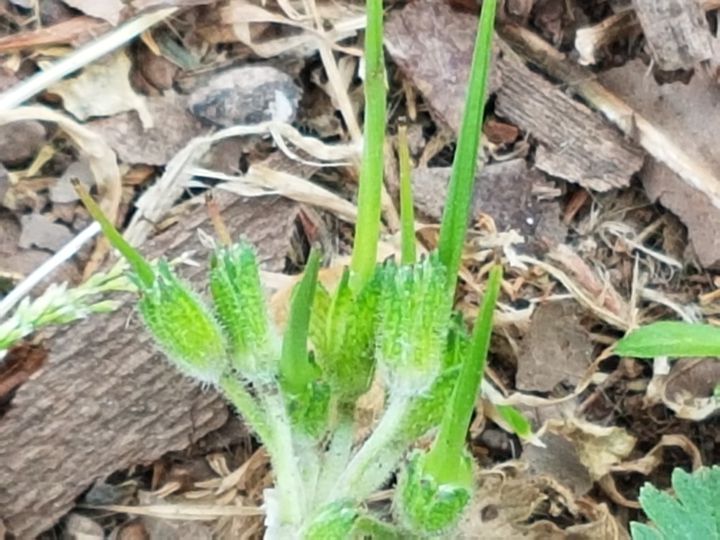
[[693, 513], [671, 338]]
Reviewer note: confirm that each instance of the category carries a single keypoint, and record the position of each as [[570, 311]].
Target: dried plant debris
[[40, 231], [688, 113], [688, 389], [108, 10], [575, 144], [21, 141], [103, 89], [677, 32], [246, 95], [556, 350], [505, 192], [511, 503], [174, 128]]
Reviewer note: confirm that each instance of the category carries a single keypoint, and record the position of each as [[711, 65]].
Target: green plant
[[694, 511], [299, 390], [671, 338]]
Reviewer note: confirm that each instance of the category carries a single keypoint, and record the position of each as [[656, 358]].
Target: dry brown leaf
[[174, 128], [109, 10], [556, 348], [689, 388], [510, 503], [103, 89], [599, 448], [690, 113], [504, 191]]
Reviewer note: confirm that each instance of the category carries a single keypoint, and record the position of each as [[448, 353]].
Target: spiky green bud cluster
[[183, 326], [343, 333], [241, 309], [427, 506], [414, 317]]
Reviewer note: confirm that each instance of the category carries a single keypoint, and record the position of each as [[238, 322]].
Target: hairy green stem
[[335, 459], [367, 230], [370, 467]]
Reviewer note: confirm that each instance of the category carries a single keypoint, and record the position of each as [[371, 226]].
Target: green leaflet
[[693, 513], [671, 338]]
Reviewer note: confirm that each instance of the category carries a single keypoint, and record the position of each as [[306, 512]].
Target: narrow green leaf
[[142, 268], [671, 338], [445, 457], [462, 180], [296, 371], [367, 231], [516, 420], [407, 210]]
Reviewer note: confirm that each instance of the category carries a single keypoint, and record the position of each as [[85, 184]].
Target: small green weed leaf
[[297, 372], [671, 338], [693, 513], [462, 180], [183, 326], [516, 421]]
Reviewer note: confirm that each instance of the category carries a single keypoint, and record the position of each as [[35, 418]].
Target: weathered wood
[[106, 399], [676, 31], [428, 40]]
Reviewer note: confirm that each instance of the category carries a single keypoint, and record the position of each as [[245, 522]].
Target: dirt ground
[[601, 190]]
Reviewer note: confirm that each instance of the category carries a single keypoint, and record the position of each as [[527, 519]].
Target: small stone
[[246, 95], [40, 231], [20, 141], [63, 191]]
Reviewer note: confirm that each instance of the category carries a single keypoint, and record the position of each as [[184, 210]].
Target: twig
[[82, 57], [656, 142]]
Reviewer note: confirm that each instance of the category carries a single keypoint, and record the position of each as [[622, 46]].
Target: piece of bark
[[676, 31], [694, 208], [107, 399], [575, 144], [691, 114], [432, 44], [504, 191]]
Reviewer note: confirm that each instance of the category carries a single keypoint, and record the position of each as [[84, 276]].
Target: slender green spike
[[462, 180], [296, 371], [445, 457], [367, 231], [141, 267], [407, 212]]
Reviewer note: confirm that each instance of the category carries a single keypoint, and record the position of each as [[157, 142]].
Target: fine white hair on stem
[[46, 268]]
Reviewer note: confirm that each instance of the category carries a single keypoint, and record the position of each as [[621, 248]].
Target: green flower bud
[[343, 332], [242, 311], [183, 326], [427, 507], [415, 310], [334, 522]]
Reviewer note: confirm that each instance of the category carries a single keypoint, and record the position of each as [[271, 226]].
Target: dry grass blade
[[183, 511]]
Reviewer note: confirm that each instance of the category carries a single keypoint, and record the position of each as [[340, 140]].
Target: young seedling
[[298, 389]]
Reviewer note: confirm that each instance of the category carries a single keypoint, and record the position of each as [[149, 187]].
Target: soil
[[600, 192]]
